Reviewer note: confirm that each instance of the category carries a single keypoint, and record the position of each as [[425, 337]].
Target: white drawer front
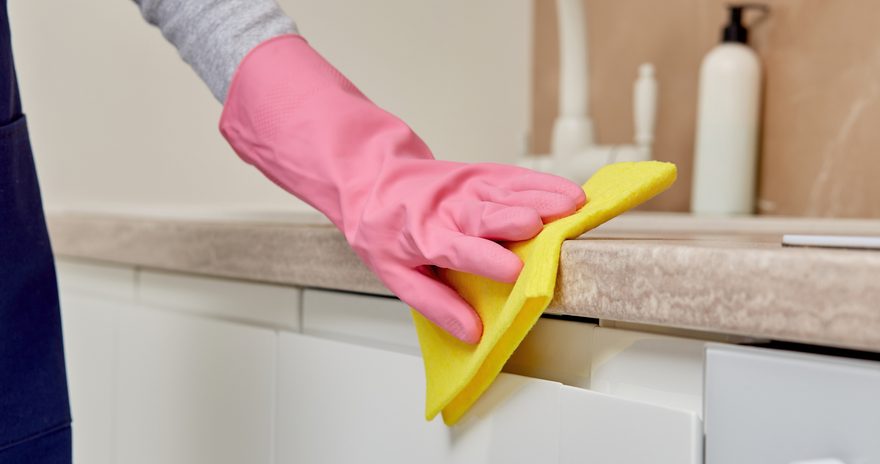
[[193, 390], [777, 407], [90, 349], [99, 280], [598, 428], [341, 403], [651, 368], [235, 300], [371, 320]]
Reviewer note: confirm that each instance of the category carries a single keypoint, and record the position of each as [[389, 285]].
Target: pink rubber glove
[[307, 128]]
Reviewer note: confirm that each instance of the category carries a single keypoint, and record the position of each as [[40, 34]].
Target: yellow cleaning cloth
[[458, 373]]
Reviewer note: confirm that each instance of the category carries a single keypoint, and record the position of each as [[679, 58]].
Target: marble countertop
[[722, 275]]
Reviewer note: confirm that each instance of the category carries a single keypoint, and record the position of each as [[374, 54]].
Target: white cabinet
[[556, 350], [651, 368], [90, 351], [193, 390], [342, 403], [178, 369], [772, 406], [377, 321], [157, 371], [251, 303], [598, 428], [96, 280], [92, 297]]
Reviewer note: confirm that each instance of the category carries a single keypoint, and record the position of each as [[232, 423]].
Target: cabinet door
[[341, 402], [650, 368], [377, 321], [599, 428], [193, 390], [267, 305], [92, 297], [90, 352], [772, 406]]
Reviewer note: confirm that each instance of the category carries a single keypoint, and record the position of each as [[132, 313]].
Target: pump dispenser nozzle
[[735, 30]]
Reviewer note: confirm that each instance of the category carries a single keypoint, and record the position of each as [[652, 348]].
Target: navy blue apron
[[34, 411]]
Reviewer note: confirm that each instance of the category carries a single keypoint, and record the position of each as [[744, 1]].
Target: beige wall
[[821, 129], [119, 121]]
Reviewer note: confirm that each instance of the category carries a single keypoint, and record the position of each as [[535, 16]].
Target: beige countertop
[[724, 275]]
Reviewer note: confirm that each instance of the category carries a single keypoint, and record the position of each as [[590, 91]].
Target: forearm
[[214, 35]]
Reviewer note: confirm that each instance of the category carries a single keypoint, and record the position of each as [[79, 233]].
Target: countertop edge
[[822, 297]]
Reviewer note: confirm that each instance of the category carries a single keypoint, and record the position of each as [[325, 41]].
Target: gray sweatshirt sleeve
[[214, 35]]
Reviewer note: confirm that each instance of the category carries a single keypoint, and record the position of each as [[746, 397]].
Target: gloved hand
[[307, 128]]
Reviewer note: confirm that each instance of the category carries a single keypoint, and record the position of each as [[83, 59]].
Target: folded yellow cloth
[[458, 373]]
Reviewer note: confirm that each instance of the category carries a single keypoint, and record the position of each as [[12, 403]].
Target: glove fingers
[[474, 255], [441, 305], [533, 180], [549, 205], [498, 222]]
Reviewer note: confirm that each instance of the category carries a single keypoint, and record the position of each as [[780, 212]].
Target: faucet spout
[[573, 128], [574, 152]]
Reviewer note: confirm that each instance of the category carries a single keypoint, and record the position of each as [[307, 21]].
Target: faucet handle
[[645, 105]]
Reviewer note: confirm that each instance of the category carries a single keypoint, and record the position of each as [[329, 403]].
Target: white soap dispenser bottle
[[728, 114]]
